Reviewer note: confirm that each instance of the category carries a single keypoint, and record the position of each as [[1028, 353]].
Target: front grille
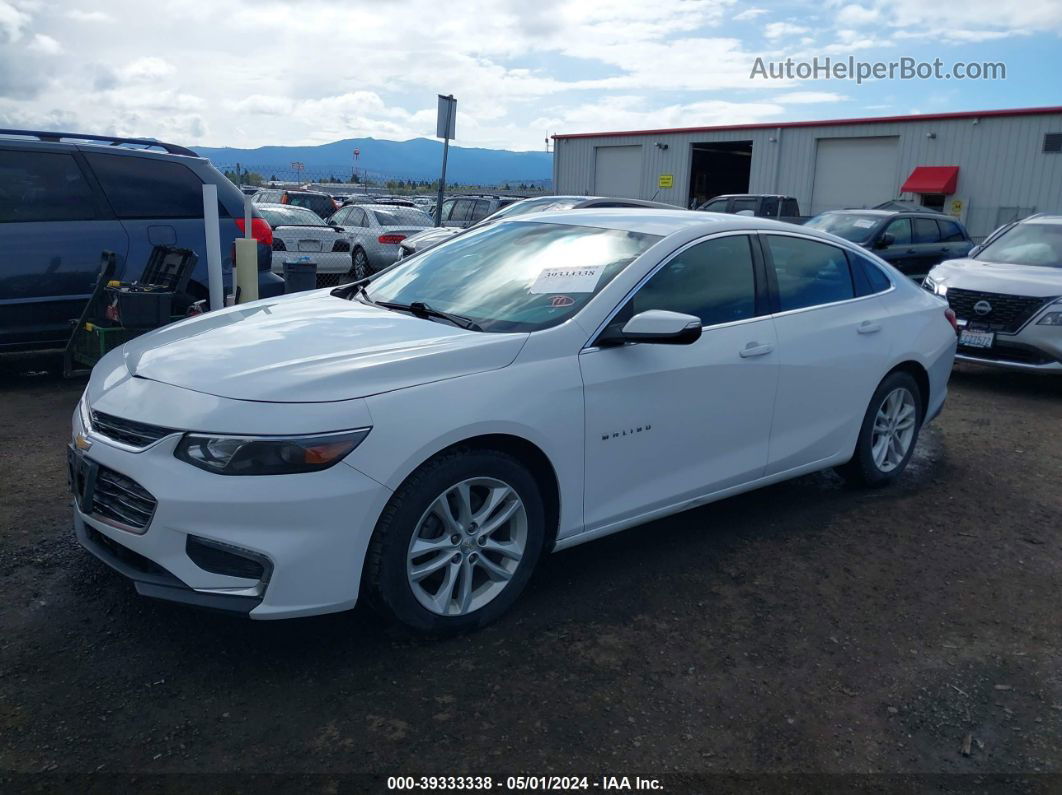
[[117, 498], [128, 432], [1009, 312], [333, 279], [124, 554]]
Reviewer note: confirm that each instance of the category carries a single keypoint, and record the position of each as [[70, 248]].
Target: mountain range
[[416, 159]]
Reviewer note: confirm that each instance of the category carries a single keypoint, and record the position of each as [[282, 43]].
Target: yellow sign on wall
[[955, 208], [666, 181]]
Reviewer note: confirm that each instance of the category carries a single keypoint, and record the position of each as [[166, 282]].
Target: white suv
[[523, 388], [1007, 295]]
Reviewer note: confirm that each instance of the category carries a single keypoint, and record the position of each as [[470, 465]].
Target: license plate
[[972, 338], [309, 245]]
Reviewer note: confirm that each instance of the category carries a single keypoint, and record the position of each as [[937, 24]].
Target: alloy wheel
[[894, 429], [359, 267], [467, 546]]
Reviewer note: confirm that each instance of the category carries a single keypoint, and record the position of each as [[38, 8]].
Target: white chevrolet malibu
[[423, 438]]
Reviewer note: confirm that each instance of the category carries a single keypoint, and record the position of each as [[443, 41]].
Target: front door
[[667, 423]]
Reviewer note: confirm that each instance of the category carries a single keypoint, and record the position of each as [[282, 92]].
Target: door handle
[[869, 327], [755, 349]]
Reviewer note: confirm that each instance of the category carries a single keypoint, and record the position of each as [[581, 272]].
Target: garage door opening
[[719, 168]]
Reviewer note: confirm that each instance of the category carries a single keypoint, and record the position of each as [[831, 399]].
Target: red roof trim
[[968, 114], [932, 179]]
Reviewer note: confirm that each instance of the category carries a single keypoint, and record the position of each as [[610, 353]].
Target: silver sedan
[[374, 232]]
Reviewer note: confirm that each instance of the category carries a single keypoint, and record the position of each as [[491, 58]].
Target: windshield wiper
[[421, 309]]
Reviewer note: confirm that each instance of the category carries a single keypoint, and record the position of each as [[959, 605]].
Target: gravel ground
[[807, 628]]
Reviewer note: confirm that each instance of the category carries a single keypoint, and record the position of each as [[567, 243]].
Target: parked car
[[761, 205], [1007, 295], [535, 384], [369, 198], [66, 197], [298, 232], [463, 211], [436, 235], [374, 232], [321, 203], [911, 242]]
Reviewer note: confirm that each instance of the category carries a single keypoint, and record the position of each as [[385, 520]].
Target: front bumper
[[311, 531], [1033, 349]]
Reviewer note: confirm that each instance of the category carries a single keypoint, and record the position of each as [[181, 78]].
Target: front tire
[[457, 542], [889, 433]]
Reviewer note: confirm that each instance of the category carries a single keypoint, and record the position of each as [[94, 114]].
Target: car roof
[[651, 221], [1042, 218]]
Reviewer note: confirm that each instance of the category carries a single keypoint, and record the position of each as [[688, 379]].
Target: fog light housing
[[231, 561]]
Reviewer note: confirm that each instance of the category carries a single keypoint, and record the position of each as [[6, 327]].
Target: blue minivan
[[66, 197]]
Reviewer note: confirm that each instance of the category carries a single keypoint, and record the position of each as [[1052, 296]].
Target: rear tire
[[457, 542], [889, 433], [359, 265]]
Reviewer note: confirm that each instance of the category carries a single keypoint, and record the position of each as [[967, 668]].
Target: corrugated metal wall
[[1002, 165]]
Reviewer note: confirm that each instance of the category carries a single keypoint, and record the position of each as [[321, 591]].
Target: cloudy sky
[[255, 72]]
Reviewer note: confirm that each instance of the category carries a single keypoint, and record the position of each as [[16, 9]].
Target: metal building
[[985, 167]]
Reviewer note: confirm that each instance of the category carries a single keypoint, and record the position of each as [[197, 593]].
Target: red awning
[[932, 179]]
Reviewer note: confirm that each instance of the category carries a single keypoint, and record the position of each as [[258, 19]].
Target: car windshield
[[542, 204], [401, 216], [1026, 244], [850, 226], [514, 276], [287, 215]]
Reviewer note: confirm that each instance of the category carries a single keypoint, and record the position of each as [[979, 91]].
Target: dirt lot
[[806, 628]]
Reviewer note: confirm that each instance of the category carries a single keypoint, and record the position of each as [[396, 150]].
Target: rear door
[[928, 250], [160, 203], [954, 243], [53, 227], [832, 351]]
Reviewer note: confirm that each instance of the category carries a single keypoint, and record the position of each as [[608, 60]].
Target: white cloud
[[150, 68], [854, 16], [776, 30], [749, 13], [88, 16], [263, 105], [12, 21], [808, 97], [45, 44]]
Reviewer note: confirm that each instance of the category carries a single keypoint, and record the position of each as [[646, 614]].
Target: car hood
[[999, 277], [312, 347]]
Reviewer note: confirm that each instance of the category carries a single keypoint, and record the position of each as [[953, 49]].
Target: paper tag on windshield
[[863, 223], [571, 279]]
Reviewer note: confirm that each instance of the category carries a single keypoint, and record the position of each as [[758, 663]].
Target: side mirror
[[884, 241], [657, 326]]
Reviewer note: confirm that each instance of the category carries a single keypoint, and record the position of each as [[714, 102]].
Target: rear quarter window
[[141, 187]]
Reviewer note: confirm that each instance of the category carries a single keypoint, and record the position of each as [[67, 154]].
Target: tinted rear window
[[322, 205], [141, 187], [43, 186], [401, 216]]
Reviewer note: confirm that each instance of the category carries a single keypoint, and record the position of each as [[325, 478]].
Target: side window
[[717, 206], [356, 217], [926, 231], [770, 207], [790, 207], [341, 216], [447, 209], [713, 280], [43, 186], [809, 273], [480, 211], [462, 207], [869, 277], [950, 232], [744, 206], [900, 229], [141, 187]]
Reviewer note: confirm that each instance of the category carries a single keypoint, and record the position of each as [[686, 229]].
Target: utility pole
[[445, 124]]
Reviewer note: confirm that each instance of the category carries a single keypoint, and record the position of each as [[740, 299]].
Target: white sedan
[[526, 387]]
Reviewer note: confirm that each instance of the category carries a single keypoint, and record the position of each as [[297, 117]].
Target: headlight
[[1051, 319], [267, 455], [933, 287]]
